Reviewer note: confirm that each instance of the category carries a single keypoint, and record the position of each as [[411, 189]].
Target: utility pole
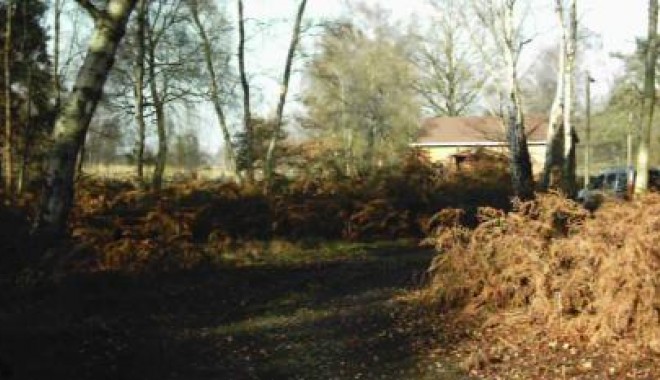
[[587, 143]]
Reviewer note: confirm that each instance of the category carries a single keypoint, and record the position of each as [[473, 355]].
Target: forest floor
[[334, 316]]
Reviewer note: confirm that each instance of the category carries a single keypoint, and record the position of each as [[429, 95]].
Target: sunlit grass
[[124, 171], [274, 321], [286, 253]]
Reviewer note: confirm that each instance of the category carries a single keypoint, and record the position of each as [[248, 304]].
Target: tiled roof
[[476, 130]]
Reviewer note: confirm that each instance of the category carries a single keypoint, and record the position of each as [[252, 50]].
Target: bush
[[594, 278], [15, 244], [133, 228]]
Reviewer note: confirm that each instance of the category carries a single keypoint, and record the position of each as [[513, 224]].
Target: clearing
[[333, 316]]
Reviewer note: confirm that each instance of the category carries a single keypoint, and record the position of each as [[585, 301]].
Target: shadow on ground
[[331, 320]]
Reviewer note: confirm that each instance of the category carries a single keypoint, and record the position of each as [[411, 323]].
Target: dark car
[[615, 182]]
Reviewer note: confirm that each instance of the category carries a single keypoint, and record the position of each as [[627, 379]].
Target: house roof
[[476, 131]]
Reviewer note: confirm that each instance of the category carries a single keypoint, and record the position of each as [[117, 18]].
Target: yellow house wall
[[443, 153], [537, 154]]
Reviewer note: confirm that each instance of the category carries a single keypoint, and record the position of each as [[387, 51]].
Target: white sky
[[616, 23]]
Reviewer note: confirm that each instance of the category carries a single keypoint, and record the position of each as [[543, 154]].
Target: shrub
[[592, 277]]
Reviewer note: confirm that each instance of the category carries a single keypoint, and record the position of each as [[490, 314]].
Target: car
[[616, 182]]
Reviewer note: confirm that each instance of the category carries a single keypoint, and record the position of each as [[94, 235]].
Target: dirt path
[[323, 320]]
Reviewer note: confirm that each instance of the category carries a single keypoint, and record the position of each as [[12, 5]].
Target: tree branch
[[91, 9]]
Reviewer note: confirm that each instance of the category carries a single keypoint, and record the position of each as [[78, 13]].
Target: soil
[[342, 319]]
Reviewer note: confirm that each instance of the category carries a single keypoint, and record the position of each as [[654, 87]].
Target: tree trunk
[[73, 120], [139, 89], [369, 154], [587, 142], [629, 141], [23, 176], [247, 116], [8, 166], [159, 108], [230, 155], [80, 162], [349, 153], [295, 38], [554, 156], [57, 13], [161, 156], [27, 117], [520, 162], [22, 179], [648, 105], [568, 175]]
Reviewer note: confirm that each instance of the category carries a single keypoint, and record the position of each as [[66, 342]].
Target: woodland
[[192, 189]]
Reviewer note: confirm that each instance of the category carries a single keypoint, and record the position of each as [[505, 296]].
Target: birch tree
[[171, 69], [449, 82], [74, 117], [570, 136], [648, 103], [359, 99], [158, 73], [154, 35], [295, 37], [57, 17], [215, 90], [500, 19], [248, 149], [555, 141], [7, 165], [138, 88]]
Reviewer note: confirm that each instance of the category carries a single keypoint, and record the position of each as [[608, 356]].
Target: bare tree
[[138, 87], [295, 37], [73, 120], [154, 34], [158, 69], [245, 85], [569, 159], [555, 140], [8, 166], [648, 104], [214, 88], [57, 16], [170, 71], [499, 18], [27, 115], [447, 82]]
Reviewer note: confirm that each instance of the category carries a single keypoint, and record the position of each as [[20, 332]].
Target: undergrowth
[[117, 226], [552, 265]]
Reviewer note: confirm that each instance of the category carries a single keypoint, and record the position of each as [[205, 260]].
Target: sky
[[614, 25]]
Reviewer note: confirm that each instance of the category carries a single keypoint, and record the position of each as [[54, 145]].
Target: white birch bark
[[74, 117], [569, 159], [555, 139], [295, 38], [648, 105], [230, 155]]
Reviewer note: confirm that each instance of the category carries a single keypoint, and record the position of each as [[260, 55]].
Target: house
[[453, 139]]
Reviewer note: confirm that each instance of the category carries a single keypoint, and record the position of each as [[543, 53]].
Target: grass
[[124, 171], [322, 312]]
